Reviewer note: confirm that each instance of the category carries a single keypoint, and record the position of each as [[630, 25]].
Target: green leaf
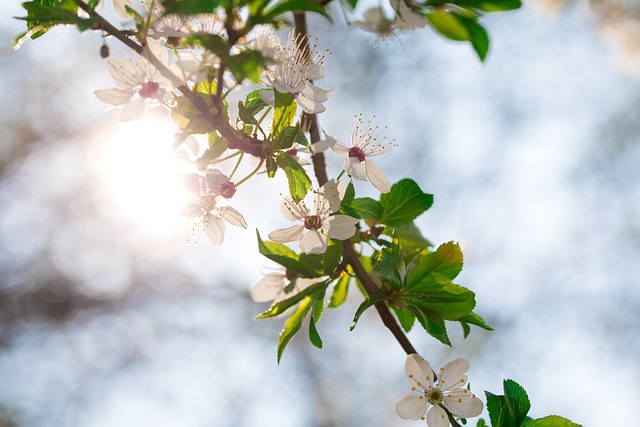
[[451, 301], [403, 203], [307, 265], [446, 262], [495, 5], [314, 337], [477, 35], [299, 181], [466, 329], [42, 15], [193, 7], [352, 3], [365, 305], [388, 265], [272, 166], [297, 6], [551, 421], [332, 256], [405, 317], [286, 137], [517, 401], [365, 208], [481, 423], [473, 319], [339, 295], [349, 194], [409, 235], [448, 25], [284, 112], [292, 325], [217, 146], [432, 322], [281, 306], [498, 410]]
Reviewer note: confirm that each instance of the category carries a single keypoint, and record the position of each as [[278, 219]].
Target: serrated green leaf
[[432, 322], [271, 165], [403, 203], [481, 423], [446, 262], [192, 7], [307, 265], [292, 325], [365, 208], [473, 319], [284, 111], [340, 290], [299, 181], [498, 410], [349, 194], [466, 329], [286, 137], [551, 421], [297, 6], [247, 64], [517, 401], [365, 305], [451, 301], [332, 256], [388, 266], [409, 235], [405, 317], [217, 146]]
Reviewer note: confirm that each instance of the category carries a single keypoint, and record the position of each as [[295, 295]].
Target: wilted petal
[[233, 216], [418, 372], [376, 177], [114, 96], [452, 375], [437, 417], [355, 168], [133, 110], [463, 403], [285, 235], [412, 406], [215, 229], [268, 288], [313, 242], [341, 227]]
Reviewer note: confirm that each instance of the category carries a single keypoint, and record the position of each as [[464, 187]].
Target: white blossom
[[406, 18], [363, 145], [293, 72], [139, 83], [318, 224], [430, 397], [273, 287], [210, 213]]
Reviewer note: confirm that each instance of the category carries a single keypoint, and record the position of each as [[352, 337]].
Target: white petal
[[268, 288], [315, 72], [336, 146], [310, 105], [320, 146], [233, 217], [409, 16], [215, 229], [355, 168], [317, 94], [285, 235], [125, 73], [268, 96], [292, 210], [412, 406], [215, 178], [437, 417], [114, 96], [133, 110], [452, 375], [313, 242], [463, 403], [332, 194], [376, 177], [418, 372], [341, 227]]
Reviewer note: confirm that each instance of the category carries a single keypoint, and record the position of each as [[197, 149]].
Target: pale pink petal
[[215, 178], [292, 210], [268, 288], [233, 217], [133, 110], [319, 147], [463, 403], [355, 168], [376, 177], [336, 146], [268, 96], [418, 372], [313, 242], [285, 235], [452, 375], [332, 194], [215, 229], [114, 96], [341, 227], [125, 73], [314, 92], [412, 406], [437, 417], [315, 72], [310, 105]]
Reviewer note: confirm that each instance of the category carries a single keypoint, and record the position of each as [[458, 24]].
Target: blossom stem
[[255, 171], [236, 166], [310, 122]]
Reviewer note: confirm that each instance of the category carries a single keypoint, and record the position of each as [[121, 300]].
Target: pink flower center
[[358, 153], [313, 222], [227, 189], [148, 89], [292, 152]]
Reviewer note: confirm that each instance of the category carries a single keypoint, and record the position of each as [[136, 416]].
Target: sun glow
[[140, 171]]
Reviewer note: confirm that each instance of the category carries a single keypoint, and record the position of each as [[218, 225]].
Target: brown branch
[[348, 253]]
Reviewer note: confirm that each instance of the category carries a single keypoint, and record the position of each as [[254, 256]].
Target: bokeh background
[[113, 312]]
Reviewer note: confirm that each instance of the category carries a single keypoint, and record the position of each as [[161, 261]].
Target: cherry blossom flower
[[207, 209], [449, 393], [318, 224], [218, 184], [407, 19], [357, 163], [376, 22], [139, 84], [293, 73]]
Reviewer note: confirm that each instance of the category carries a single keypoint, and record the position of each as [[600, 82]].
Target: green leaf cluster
[[511, 409]]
